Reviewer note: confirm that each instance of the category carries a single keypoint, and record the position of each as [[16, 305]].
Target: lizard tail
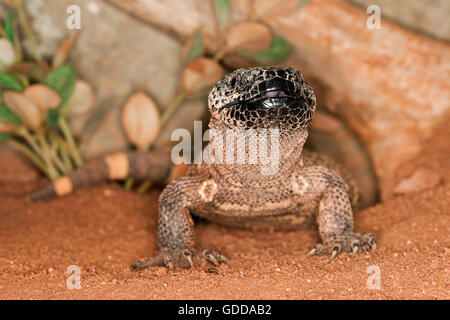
[[117, 166]]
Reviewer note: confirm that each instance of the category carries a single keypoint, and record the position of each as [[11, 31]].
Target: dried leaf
[[26, 110], [82, 99], [140, 119], [201, 73], [278, 51], [63, 52], [7, 127], [249, 35], [43, 97], [35, 70], [7, 55]]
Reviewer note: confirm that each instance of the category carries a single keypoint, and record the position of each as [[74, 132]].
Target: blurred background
[[380, 91]]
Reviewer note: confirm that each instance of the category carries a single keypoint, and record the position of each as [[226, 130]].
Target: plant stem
[[172, 107], [144, 187], [17, 46], [26, 151], [49, 155], [27, 29], [221, 53], [23, 132], [50, 170], [128, 184], [69, 138], [55, 157], [146, 184], [62, 150]]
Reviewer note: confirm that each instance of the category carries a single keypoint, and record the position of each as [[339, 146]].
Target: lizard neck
[[276, 153]]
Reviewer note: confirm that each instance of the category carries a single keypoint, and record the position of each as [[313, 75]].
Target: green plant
[[36, 98]]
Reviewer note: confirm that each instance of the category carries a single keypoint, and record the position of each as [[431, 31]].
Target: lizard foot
[[352, 243], [184, 258]]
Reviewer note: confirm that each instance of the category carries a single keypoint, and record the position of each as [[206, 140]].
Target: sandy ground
[[103, 230]]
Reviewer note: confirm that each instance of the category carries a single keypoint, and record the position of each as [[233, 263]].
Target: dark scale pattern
[[247, 108], [306, 188]]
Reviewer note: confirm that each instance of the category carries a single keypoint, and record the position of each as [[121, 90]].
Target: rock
[[390, 86], [429, 16], [421, 179], [330, 136], [118, 54]]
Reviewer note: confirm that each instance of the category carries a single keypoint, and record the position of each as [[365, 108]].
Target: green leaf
[[8, 82], [9, 30], [62, 80], [4, 136], [53, 117], [277, 52], [7, 116], [196, 47], [301, 3], [222, 8]]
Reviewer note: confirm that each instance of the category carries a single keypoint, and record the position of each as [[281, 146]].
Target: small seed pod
[[82, 99], [7, 55], [201, 73], [31, 115], [42, 96], [249, 35], [140, 119]]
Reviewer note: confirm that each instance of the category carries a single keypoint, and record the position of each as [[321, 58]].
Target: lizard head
[[262, 98]]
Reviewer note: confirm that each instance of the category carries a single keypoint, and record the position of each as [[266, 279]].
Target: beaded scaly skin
[[305, 189]]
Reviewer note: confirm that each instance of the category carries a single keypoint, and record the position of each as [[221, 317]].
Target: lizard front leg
[[335, 216], [175, 225]]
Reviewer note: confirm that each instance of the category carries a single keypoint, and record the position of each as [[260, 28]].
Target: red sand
[[104, 229]]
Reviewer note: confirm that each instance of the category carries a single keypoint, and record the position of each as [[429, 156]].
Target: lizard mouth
[[272, 103], [275, 98], [273, 93], [271, 99]]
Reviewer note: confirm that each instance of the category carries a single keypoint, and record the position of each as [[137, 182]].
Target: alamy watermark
[[233, 146], [373, 22], [73, 22], [374, 280], [74, 281]]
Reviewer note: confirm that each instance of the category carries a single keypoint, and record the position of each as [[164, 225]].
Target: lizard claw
[[185, 258], [317, 248], [213, 257], [188, 257], [336, 250], [352, 243], [210, 257]]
